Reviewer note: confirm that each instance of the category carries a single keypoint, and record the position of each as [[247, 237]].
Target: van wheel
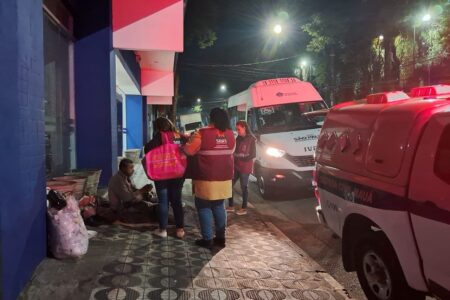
[[380, 273], [264, 188]]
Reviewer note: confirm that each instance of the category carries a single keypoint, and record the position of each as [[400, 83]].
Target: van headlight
[[274, 152]]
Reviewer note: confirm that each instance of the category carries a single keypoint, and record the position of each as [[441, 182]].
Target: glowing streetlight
[[223, 87], [199, 100], [426, 18], [277, 29], [303, 63], [381, 37]]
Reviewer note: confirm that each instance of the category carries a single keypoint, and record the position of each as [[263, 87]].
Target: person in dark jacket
[[168, 191], [243, 164]]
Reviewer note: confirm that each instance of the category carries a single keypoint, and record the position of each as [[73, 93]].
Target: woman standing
[[243, 164], [212, 173], [169, 190]]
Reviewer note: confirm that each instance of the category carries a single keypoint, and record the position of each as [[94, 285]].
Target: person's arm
[[193, 145], [153, 143], [252, 151]]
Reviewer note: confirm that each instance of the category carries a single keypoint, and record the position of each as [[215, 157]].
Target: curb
[[337, 287]]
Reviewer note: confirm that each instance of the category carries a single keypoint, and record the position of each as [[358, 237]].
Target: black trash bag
[[56, 200]]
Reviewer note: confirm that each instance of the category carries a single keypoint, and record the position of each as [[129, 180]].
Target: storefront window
[[59, 114]]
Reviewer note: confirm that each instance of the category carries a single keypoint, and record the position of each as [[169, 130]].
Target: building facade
[[80, 83]]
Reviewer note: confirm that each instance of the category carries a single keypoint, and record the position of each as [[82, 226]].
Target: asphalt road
[[294, 214]]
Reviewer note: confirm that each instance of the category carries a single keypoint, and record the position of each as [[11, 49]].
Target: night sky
[[244, 35]]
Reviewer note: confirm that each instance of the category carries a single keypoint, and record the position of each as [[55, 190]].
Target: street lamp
[[425, 19], [223, 88], [277, 28], [305, 67], [381, 37], [199, 100]]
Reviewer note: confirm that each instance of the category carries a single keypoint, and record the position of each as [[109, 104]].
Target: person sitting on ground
[[126, 200]]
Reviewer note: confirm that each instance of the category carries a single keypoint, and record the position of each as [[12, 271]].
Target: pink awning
[[157, 83], [148, 25], [159, 100]]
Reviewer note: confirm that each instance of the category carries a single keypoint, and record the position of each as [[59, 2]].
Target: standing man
[[212, 174]]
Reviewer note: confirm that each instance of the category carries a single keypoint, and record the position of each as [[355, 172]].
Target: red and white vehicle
[[383, 183]]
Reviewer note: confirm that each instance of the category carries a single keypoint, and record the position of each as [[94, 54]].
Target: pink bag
[[166, 161]]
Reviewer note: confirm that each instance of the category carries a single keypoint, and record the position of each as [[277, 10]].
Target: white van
[[286, 115], [190, 122]]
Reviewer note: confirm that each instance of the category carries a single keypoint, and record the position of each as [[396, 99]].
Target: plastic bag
[[68, 236]]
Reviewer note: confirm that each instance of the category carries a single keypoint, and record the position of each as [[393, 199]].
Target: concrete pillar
[[22, 154], [95, 102]]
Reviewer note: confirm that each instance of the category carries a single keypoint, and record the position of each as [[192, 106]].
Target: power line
[[244, 64]]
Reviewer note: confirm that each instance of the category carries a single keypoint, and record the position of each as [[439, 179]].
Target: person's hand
[[146, 188]]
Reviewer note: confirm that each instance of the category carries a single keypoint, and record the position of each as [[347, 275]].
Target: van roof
[[275, 91]]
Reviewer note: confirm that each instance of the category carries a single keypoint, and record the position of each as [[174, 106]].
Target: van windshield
[[289, 117], [193, 126]]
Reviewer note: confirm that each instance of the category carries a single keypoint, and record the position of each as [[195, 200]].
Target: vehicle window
[[442, 159], [251, 120], [193, 126], [289, 117]]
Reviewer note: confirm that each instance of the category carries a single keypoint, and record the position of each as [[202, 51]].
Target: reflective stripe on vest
[[216, 152]]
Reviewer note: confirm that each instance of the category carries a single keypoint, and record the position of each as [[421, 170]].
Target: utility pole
[[333, 79]]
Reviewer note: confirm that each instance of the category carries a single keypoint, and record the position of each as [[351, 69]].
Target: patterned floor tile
[[122, 268], [265, 294], [258, 284], [251, 274], [319, 294], [169, 294], [219, 294]]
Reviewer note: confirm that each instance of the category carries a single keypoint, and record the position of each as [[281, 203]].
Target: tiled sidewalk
[[126, 263], [258, 263]]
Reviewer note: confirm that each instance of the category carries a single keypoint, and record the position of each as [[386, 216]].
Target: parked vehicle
[[283, 115], [383, 183], [190, 122]]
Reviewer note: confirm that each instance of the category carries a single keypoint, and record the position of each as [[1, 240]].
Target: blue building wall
[[135, 124], [95, 105], [95, 102], [22, 154]]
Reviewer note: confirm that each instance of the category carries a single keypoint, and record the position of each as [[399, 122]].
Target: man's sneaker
[[242, 211], [230, 209], [204, 243], [180, 233], [160, 232], [219, 242]]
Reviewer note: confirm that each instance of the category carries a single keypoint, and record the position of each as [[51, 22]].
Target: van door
[[430, 203]]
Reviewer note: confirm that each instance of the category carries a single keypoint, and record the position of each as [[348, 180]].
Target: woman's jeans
[[243, 180], [210, 211], [169, 191]]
